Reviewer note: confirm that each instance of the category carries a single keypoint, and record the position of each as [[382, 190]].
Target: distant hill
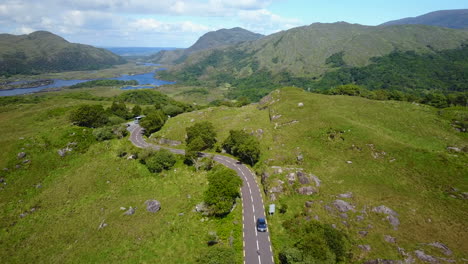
[[457, 19], [136, 51], [310, 51], [42, 51], [213, 39]]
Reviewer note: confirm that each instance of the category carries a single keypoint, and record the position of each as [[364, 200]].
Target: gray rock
[[464, 195], [181, 214], [316, 180], [343, 206], [153, 206], [382, 209], [383, 261], [366, 248], [201, 208], [308, 190], [394, 221], [334, 226], [389, 239], [363, 233], [21, 155], [349, 162], [442, 247], [309, 204], [275, 117], [26, 161], [62, 152], [300, 104], [303, 179], [344, 215], [454, 149], [408, 258], [291, 177], [424, 257], [123, 208], [346, 195], [359, 218], [17, 166], [102, 225], [260, 131], [131, 157], [130, 211], [300, 157], [316, 217], [38, 186], [272, 197], [23, 215]]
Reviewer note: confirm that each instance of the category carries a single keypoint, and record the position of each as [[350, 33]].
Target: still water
[[142, 79]]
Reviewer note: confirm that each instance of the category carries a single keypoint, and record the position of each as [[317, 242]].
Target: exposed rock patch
[[343, 206], [21, 155], [442, 247], [307, 190], [424, 257], [389, 239], [130, 211], [152, 206], [365, 248], [346, 195]]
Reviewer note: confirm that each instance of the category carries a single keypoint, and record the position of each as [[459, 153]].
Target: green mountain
[[304, 51], [213, 39], [457, 18], [42, 51]]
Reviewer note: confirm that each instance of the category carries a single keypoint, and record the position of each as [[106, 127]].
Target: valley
[[350, 140]]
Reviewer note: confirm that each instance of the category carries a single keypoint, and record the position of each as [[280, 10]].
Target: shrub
[[153, 121], [223, 189], [160, 160], [218, 255], [89, 116], [103, 133]]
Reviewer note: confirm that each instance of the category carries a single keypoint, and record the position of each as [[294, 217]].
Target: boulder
[[394, 221], [291, 177], [152, 206], [300, 157], [389, 239], [359, 218], [363, 233], [424, 257], [303, 179], [21, 155], [307, 190], [343, 206], [366, 248], [130, 211], [309, 204], [316, 180], [382, 209], [442, 247], [346, 195]]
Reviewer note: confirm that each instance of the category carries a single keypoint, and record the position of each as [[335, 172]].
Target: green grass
[[411, 178], [81, 190]]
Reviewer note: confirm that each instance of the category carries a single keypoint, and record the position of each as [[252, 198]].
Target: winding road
[[257, 245]]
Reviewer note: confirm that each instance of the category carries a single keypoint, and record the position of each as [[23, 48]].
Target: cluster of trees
[[243, 146], [314, 242], [96, 116], [223, 189], [201, 136], [95, 83]]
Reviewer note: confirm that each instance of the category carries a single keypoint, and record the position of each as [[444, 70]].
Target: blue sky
[[179, 23]]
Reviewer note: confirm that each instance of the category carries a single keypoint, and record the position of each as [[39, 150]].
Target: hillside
[[304, 51], [43, 51], [365, 154], [213, 39], [457, 19]]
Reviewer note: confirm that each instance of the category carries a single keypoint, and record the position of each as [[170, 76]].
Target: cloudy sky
[[179, 23]]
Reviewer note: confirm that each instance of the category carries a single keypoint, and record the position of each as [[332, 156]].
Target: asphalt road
[[257, 245]]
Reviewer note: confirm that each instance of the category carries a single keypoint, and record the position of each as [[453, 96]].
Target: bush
[[103, 133], [243, 145], [153, 121], [160, 160], [89, 116], [218, 255], [201, 136], [223, 189]]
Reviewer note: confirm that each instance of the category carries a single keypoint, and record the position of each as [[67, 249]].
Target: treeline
[[95, 83]]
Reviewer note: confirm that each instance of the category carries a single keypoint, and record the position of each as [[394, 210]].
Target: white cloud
[[143, 22]]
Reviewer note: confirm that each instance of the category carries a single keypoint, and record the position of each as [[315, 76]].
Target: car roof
[[261, 219]]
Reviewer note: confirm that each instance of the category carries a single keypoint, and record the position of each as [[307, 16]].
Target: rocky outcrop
[[424, 257], [152, 206], [306, 190], [343, 206], [391, 215]]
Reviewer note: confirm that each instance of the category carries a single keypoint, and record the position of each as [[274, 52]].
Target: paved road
[[257, 245]]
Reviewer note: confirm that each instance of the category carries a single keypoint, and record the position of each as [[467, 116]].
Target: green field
[[52, 207], [399, 159]]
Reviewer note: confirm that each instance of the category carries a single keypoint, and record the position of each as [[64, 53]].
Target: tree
[[136, 111], [242, 145], [153, 121], [172, 110], [119, 109], [223, 189], [206, 134], [89, 116], [160, 160]]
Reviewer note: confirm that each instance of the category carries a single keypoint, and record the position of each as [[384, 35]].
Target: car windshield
[[261, 221]]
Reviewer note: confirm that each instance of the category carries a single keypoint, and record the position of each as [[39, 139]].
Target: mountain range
[[457, 18], [42, 51], [309, 50]]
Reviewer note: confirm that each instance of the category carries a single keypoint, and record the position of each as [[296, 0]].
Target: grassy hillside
[[52, 206], [43, 51], [384, 152], [304, 51]]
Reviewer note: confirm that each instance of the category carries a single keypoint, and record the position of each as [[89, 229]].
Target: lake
[[142, 79]]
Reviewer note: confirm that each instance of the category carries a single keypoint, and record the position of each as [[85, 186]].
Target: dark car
[[261, 225]]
